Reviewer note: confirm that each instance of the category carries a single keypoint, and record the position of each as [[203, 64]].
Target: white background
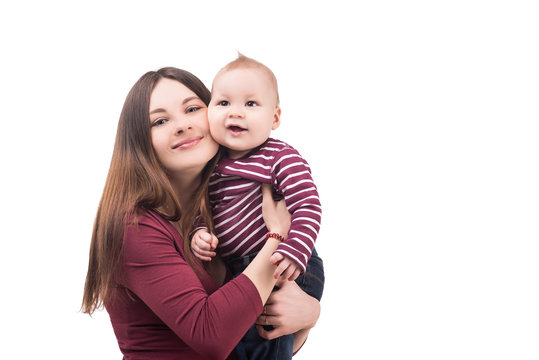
[[419, 120]]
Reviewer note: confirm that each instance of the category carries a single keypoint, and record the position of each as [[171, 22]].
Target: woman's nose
[[182, 125]]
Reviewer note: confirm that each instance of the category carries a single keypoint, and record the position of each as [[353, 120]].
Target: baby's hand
[[202, 245], [286, 267]]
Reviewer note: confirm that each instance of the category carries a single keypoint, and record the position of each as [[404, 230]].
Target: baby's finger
[[207, 253], [295, 275], [201, 253], [202, 258], [276, 258], [288, 272], [280, 269], [203, 244], [199, 256], [214, 242], [204, 235]]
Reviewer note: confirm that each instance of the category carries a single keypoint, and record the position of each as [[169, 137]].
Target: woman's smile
[[188, 143]]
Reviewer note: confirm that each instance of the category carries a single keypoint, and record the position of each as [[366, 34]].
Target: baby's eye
[[159, 121], [223, 103], [251, 103]]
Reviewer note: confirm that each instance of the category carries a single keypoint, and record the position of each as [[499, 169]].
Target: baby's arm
[[292, 178], [286, 267], [203, 244]]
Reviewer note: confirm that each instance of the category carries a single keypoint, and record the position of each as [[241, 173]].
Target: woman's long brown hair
[[137, 180]]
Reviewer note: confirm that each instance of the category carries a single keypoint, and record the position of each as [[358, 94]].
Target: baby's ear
[[276, 118]]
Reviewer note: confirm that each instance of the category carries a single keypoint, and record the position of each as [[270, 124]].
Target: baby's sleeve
[[291, 176]]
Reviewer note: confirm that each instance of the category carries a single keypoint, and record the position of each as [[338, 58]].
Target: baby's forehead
[[255, 76], [260, 72]]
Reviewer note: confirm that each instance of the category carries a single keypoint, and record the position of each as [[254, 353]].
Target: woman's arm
[[260, 271], [208, 319], [290, 310]]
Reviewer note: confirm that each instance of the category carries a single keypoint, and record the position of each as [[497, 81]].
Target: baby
[[243, 111]]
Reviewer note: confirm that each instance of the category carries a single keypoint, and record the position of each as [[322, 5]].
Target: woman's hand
[[288, 310], [275, 214]]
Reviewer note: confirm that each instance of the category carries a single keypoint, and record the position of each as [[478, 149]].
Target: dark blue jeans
[[252, 346]]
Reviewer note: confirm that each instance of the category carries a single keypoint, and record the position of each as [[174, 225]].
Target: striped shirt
[[236, 201]]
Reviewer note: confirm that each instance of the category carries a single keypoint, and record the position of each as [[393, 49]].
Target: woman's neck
[[185, 186]]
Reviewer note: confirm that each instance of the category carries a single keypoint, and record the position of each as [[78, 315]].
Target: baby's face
[[243, 109]]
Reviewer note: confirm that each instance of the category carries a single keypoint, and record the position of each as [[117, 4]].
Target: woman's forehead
[[168, 92]]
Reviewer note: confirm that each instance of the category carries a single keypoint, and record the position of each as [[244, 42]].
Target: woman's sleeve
[[211, 325]]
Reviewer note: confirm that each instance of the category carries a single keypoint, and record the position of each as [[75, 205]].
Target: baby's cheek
[[213, 115]]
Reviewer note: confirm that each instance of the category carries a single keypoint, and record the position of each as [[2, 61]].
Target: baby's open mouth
[[236, 128]]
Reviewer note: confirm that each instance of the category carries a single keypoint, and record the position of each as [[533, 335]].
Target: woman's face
[[179, 128]]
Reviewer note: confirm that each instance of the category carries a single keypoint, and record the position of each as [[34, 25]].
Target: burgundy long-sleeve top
[[172, 312]]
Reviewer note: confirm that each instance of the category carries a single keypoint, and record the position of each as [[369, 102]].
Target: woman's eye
[[251, 103], [158, 122], [192, 109]]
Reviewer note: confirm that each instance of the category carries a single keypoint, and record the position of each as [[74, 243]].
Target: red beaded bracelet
[[275, 236]]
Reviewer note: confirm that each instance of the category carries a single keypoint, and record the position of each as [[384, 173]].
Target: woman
[[162, 303]]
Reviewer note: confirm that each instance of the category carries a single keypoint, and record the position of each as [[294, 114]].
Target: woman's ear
[[276, 118]]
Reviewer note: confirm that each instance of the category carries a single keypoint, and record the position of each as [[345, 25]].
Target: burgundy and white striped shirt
[[236, 200]]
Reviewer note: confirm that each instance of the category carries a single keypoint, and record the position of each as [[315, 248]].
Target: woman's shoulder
[[142, 216], [146, 226]]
